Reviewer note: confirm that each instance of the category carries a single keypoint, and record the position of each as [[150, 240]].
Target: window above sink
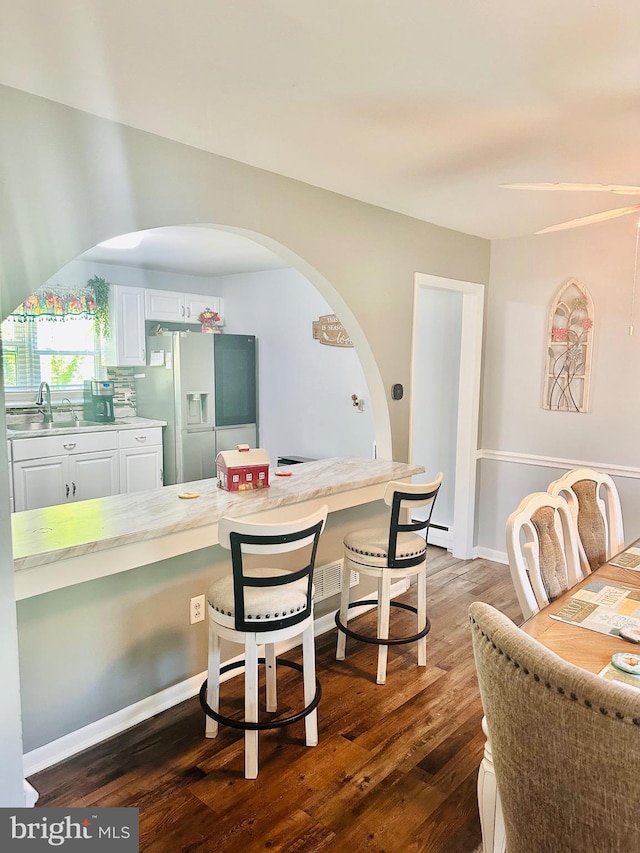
[[62, 352]]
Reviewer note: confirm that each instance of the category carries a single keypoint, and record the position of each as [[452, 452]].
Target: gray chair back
[[565, 744]]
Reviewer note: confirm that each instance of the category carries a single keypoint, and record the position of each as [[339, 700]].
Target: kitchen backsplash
[[124, 387], [124, 397]]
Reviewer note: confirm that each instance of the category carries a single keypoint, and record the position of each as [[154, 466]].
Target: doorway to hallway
[[446, 363]]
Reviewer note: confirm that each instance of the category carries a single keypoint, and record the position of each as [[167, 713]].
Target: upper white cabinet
[[131, 306], [173, 307], [126, 346], [196, 303]]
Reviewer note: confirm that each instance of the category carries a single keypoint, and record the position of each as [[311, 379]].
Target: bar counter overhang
[[63, 545]]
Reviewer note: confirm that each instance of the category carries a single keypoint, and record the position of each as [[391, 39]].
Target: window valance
[[56, 303]]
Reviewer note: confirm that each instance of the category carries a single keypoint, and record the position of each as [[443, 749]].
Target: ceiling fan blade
[[594, 217], [608, 188]]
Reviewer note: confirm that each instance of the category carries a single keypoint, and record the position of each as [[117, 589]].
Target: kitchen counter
[[120, 423], [62, 545]]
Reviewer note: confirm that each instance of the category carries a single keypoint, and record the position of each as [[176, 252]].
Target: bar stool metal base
[[269, 724], [396, 641]]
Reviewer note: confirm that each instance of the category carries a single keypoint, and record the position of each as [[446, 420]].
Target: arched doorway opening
[[306, 389]]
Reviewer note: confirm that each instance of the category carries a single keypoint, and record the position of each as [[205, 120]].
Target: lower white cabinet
[[65, 468], [140, 460], [60, 469]]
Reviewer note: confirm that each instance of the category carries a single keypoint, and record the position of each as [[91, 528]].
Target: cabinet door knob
[[182, 310], [67, 485], [188, 310], [69, 446], [74, 488], [141, 438]]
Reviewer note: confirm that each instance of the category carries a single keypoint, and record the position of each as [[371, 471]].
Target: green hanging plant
[[100, 289]]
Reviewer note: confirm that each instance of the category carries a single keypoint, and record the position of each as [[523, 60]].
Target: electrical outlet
[[196, 609]]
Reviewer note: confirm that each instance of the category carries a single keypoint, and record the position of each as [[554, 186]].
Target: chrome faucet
[[71, 409], [44, 397]]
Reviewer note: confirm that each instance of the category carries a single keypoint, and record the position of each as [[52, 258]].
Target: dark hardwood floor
[[395, 769]]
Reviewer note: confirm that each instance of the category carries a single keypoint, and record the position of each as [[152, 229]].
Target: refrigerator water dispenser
[[197, 408]]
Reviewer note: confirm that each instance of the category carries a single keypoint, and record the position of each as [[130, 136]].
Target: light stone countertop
[[119, 424], [61, 533]]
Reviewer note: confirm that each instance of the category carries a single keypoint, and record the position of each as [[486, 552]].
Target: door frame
[[464, 512]]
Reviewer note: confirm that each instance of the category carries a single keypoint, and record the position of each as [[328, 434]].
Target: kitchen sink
[[36, 425]]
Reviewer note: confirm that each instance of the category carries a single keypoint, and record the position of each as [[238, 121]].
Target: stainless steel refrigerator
[[205, 388]]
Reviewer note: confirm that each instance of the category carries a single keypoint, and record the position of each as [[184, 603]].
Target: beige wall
[[71, 180]]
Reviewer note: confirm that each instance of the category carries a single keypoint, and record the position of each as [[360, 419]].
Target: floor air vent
[[327, 580]]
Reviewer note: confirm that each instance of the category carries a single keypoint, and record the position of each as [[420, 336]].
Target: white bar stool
[[389, 554], [263, 606]]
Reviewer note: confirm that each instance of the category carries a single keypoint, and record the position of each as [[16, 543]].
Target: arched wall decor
[[569, 348]]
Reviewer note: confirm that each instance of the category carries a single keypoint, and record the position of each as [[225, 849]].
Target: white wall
[[305, 387], [525, 274]]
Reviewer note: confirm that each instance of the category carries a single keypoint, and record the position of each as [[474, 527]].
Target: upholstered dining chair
[[564, 743], [255, 606], [388, 554], [594, 501], [542, 544]]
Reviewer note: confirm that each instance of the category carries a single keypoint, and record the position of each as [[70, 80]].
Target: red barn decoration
[[242, 469]]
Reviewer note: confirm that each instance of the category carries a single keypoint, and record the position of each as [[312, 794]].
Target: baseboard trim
[[494, 556], [441, 538], [88, 736]]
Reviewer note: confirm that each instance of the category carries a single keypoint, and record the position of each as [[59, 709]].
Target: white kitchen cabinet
[[173, 307], [126, 345], [140, 459], [60, 469], [64, 468], [40, 482], [94, 475], [195, 304], [64, 479]]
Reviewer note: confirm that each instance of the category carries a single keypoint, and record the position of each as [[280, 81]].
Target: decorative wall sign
[[330, 332], [569, 346]]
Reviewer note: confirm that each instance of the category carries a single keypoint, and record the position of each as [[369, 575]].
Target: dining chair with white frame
[[542, 545], [595, 504]]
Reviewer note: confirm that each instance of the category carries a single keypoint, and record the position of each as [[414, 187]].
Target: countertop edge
[[123, 424], [191, 514]]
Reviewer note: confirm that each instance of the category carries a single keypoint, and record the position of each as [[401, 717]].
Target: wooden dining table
[[588, 649]]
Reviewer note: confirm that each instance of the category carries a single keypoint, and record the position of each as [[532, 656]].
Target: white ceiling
[[191, 250], [421, 107]]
